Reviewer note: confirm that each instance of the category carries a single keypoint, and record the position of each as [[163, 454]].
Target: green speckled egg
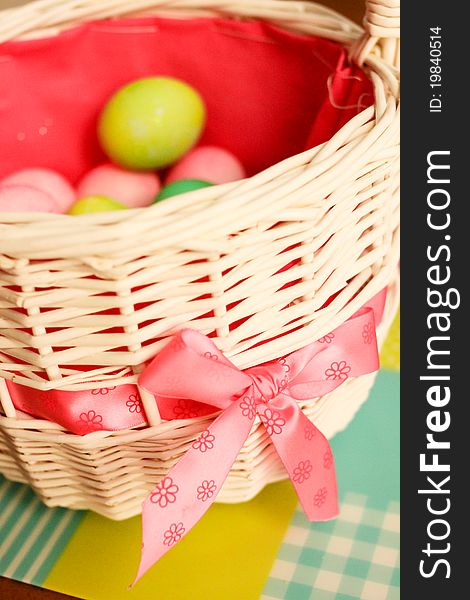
[[151, 122]]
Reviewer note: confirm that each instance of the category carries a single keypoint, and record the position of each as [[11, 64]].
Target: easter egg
[[181, 187], [131, 188], [209, 163], [93, 204], [151, 122], [52, 183], [24, 198]]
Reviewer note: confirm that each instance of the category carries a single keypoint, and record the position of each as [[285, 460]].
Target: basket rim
[[49, 17], [384, 78]]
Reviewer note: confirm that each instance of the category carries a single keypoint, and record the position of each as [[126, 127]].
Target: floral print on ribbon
[[273, 421], [173, 534], [206, 490], [302, 471], [164, 493], [309, 432], [368, 333], [134, 405], [204, 442], [104, 391], [248, 407], [320, 497], [328, 459], [46, 399], [286, 368], [185, 409], [338, 370], [90, 421], [327, 339]]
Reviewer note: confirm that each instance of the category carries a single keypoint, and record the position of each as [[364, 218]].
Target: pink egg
[[52, 183], [130, 188], [209, 163], [24, 198]]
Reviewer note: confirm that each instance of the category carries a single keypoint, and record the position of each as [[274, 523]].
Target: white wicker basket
[[336, 203]]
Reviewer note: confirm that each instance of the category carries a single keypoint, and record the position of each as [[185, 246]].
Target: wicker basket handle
[[382, 32]]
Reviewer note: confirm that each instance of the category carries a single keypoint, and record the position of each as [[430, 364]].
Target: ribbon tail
[[306, 455], [177, 503]]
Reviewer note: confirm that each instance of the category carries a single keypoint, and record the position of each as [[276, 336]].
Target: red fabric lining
[[266, 89]]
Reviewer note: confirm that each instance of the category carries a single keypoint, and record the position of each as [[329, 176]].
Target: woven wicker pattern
[[102, 290], [111, 472], [112, 475]]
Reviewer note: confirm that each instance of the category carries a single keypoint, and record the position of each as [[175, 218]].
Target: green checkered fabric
[[354, 556]]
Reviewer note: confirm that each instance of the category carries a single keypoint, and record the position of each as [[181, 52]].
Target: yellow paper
[[227, 556]]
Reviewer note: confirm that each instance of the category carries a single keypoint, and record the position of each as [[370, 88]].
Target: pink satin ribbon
[[191, 377]]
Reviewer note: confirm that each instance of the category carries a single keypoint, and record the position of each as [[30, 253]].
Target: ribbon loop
[[191, 377], [271, 391]]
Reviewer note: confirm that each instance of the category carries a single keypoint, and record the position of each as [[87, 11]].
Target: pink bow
[[191, 377], [192, 369]]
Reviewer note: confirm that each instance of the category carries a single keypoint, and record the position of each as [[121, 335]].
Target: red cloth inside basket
[[269, 93]]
